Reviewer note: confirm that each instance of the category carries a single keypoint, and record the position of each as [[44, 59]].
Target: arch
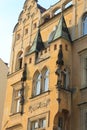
[[62, 120], [19, 60], [36, 89], [84, 23], [45, 79]]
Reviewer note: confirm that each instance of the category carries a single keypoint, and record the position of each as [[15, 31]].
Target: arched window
[[85, 24], [36, 84], [45, 80], [19, 61]]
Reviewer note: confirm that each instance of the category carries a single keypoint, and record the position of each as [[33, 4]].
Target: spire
[[62, 30], [37, 44]]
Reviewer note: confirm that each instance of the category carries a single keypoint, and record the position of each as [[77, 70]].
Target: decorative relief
[[39, 105]]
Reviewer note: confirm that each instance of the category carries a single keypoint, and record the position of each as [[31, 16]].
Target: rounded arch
[[19, 60], [62, 120]]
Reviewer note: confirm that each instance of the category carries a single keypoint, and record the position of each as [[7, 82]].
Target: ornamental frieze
[[39, 105]]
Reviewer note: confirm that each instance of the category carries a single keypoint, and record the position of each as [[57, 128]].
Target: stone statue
[[66, 78]]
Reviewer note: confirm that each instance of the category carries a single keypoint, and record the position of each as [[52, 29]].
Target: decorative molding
[[39, 105]]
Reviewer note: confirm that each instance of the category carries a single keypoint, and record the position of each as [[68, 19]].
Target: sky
[[9, 13]]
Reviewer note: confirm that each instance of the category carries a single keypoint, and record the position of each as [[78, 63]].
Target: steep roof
[[37, 45], [61, 31]]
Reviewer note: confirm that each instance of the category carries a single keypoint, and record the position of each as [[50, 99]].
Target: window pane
[[42, 123], [18, 105], [46, 80], [85, 25], [34, 125], [38, 84]]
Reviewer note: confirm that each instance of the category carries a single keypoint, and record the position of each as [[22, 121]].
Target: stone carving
[[66, 78], [39, 105]]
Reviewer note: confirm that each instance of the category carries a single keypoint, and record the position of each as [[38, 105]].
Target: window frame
[[84, 23], [45, 77], [83, 69], [36, 80], [41, 80], [16, 106], [38, 118]]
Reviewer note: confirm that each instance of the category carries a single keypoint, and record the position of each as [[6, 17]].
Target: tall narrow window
[[85, 24], [16, 101], [19, 61], [36, 84], [45, 80], [85, 70]]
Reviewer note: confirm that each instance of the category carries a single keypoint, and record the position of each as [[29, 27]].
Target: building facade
[[47, 83], [3, 86]]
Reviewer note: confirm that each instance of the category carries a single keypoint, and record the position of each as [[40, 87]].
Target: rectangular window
[[38, 124], [16, 101]]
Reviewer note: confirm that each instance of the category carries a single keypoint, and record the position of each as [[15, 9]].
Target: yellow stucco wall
[[48, 101]]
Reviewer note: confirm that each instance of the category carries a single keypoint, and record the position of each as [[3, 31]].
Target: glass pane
[[85, 26], [46, 80], [42, 123], [34, 125], [38, 84], [18, 105]]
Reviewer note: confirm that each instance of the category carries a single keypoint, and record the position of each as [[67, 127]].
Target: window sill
[[16, 72], [39, 95], [14, 114], [84, 88]]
